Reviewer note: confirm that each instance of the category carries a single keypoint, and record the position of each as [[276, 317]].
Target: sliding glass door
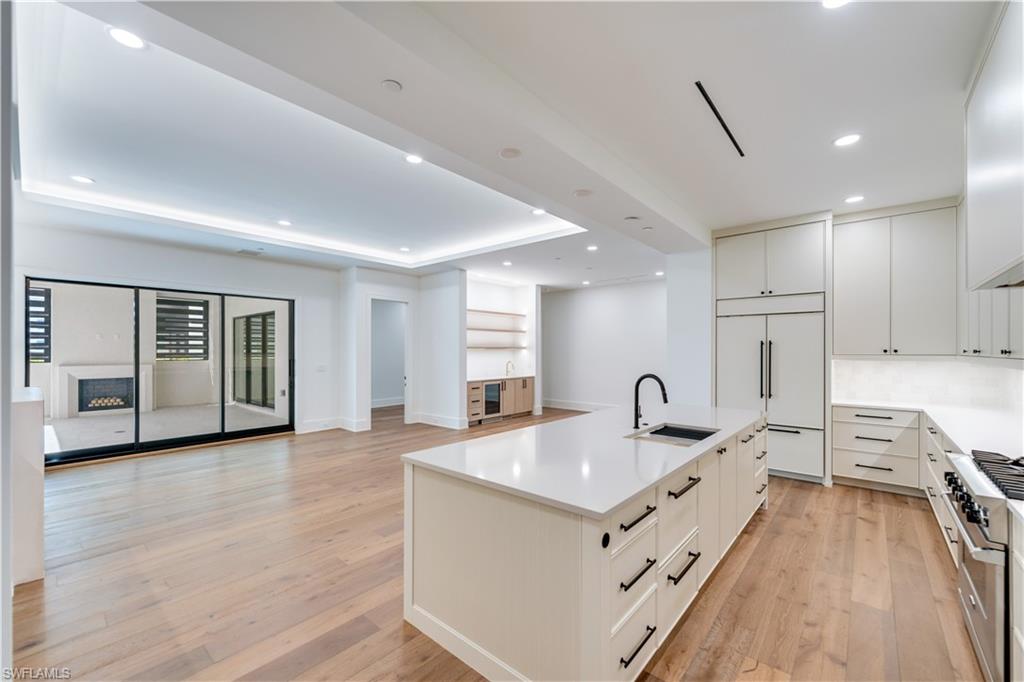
[[131, 369]]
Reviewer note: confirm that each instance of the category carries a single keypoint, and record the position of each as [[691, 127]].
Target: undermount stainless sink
[[674, 434]]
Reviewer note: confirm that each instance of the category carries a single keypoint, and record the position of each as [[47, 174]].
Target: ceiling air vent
[[249, 252], [714, 110]]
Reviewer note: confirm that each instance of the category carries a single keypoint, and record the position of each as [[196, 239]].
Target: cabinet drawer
[[634, 517], [937, 464], [886, 440], [800, 451], [871, 415], [872, 466], [760, 454], [677, 585], [677, 509], [475, 387], [633, 571], [633, 644]]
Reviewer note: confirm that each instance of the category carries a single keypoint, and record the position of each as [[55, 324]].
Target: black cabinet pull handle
[[880, 440], [762, 455], [868, 466], [761, 489], [747, 439], [783, 430], [759, 429], [770, 344], [931, 457], [871, 416], [639, 647], [931, 430], [647, 512], [949, 534], [674, 579], [931, 493], [676, 494], [760, 371], [640, 574]]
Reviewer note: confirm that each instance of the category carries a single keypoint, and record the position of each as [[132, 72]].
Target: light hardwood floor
[[281, 559]]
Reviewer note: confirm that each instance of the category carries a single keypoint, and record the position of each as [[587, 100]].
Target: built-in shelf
[[494, 312], [495, 347], [495, 329]]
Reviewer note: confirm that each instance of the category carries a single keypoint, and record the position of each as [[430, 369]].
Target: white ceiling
[[788, 78], [167, 137], [596, 95]]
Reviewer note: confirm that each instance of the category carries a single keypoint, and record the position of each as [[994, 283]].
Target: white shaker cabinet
[[923, 281], [727, 500], [740, 266], [860, 296], [786, 260], [740, 368], [1016, 346], [995, 141]]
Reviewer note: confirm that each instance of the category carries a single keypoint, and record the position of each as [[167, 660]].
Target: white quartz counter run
[[583, 464]]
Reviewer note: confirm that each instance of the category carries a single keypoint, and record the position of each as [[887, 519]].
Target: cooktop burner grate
[[1006, 473]]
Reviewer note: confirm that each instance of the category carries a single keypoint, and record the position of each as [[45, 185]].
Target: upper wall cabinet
[[894, 285], [787, 260], [995, 157]]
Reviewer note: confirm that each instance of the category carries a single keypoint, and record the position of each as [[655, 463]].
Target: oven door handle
[[987, 555]]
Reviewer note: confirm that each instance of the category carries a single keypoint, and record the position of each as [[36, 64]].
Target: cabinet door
[[795, 369], [963, 318], [1000, 322], [973, 322], [1017, 325], [526, 397], [860, 296], [744, 477], [707, 515], [985, 344], [508, 397], [727, 495], [924, 283], [739, 266], [739, 363], [795, 259]]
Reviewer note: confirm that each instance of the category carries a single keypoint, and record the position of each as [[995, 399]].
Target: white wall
[[45, 251], [441, 350], [597, 341], [491, 364], [690, 310], [387, 354]]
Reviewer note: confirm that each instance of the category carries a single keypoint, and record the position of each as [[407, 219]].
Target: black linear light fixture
[[714, 110]]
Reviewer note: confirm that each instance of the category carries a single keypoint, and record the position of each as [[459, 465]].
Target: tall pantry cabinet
[[770, 338]]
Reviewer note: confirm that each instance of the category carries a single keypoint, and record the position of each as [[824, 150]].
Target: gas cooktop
[[1007, 474]]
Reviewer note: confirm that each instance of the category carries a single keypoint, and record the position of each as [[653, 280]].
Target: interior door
[[795, 259], [795, 369], [739, 266], [860, 297], [739, 368], [924, 283]]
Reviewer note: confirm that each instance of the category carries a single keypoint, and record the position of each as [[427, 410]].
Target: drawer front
[[677, 585], [886, 440], [633, 571], [870, 415], [677, 510], [796, 450], [872, 466], [632, 646], [760, 453], [937, 464], [634, 517], [761, 488]]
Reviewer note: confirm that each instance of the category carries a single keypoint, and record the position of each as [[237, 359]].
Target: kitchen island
[[569, 550]]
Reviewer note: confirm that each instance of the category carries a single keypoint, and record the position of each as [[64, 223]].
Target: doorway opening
[[388, 382]]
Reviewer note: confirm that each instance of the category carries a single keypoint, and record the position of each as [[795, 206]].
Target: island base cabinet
[[677, 585]]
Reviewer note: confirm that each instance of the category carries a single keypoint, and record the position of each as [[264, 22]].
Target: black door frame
[[138, 446]]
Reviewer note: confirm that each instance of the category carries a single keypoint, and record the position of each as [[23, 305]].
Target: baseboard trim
[[576, 405], [443, 421], [313, 425], [878, 485], [354, 425], [387, 402], [808, 478], [467, 651]]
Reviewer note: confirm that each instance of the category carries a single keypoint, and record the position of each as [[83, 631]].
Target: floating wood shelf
[[494, 312], [495, 347], [495, 329]]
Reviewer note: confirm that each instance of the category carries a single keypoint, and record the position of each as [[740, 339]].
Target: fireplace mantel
[[65, 386]]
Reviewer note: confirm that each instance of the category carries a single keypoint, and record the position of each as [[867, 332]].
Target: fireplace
[[106, 394]]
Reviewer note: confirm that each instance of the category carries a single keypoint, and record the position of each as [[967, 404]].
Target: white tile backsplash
[[966, 382]]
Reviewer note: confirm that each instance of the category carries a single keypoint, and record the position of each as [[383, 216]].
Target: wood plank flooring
[[282, 559]]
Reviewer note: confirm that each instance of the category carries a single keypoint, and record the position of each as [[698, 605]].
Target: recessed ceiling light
[[586, 282], [538, 211], [391, 85], [592, 247], [846, 140], [659, 273], [403, 249], [82, 179], [833, 4], [284, 223], [510, 153], [854, 199], [413, 158], [582, 193], [506, 263], [632, 217], [126, 38]]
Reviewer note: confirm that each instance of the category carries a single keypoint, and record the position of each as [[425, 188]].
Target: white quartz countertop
[[970, 428], [583, 464]]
